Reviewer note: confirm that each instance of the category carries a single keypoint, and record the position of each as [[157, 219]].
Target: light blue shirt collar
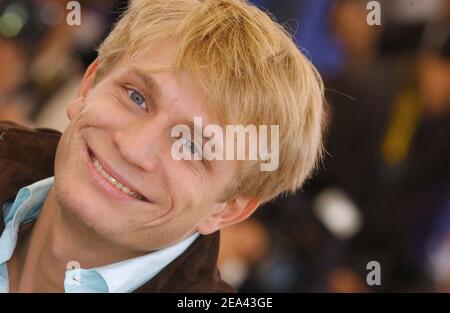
[[124, 276]]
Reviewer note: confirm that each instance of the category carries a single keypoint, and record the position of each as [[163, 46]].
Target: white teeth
[[115, 182]]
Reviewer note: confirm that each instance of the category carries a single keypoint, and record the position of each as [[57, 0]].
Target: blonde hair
[[248, 68]]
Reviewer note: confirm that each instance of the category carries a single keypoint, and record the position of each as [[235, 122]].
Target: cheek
[[180, 191], [195, 189], [67, 150], [191, 196]]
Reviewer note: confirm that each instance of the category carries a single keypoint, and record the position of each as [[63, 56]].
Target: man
[[121, 214]]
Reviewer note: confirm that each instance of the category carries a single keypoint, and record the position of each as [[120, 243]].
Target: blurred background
[[382, 192]]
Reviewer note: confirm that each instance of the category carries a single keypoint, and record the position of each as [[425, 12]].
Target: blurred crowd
[[382, 192]]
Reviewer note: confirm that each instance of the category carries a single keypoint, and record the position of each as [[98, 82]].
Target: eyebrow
[[146, 79]]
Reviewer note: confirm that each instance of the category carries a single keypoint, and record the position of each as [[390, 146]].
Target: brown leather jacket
[[27, 156]]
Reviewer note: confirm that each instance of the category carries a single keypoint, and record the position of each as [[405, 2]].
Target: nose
[[140, 144]]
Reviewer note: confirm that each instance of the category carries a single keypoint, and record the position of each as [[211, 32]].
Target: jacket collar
[[26, 156]]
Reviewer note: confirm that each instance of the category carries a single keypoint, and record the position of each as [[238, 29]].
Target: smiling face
[[114, 172]]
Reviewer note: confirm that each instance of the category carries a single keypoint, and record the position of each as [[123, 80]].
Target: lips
[[114, 179]]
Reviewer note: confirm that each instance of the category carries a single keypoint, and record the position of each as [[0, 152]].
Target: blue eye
[[137, 98], [192, 147]]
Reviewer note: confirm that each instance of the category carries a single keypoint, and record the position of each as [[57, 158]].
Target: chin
[[73, 201]]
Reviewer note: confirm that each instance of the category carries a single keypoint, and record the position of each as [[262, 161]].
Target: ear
[[228, 213], [85, 86]]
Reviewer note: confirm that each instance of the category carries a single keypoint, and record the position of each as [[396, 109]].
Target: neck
[[43, 252]]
